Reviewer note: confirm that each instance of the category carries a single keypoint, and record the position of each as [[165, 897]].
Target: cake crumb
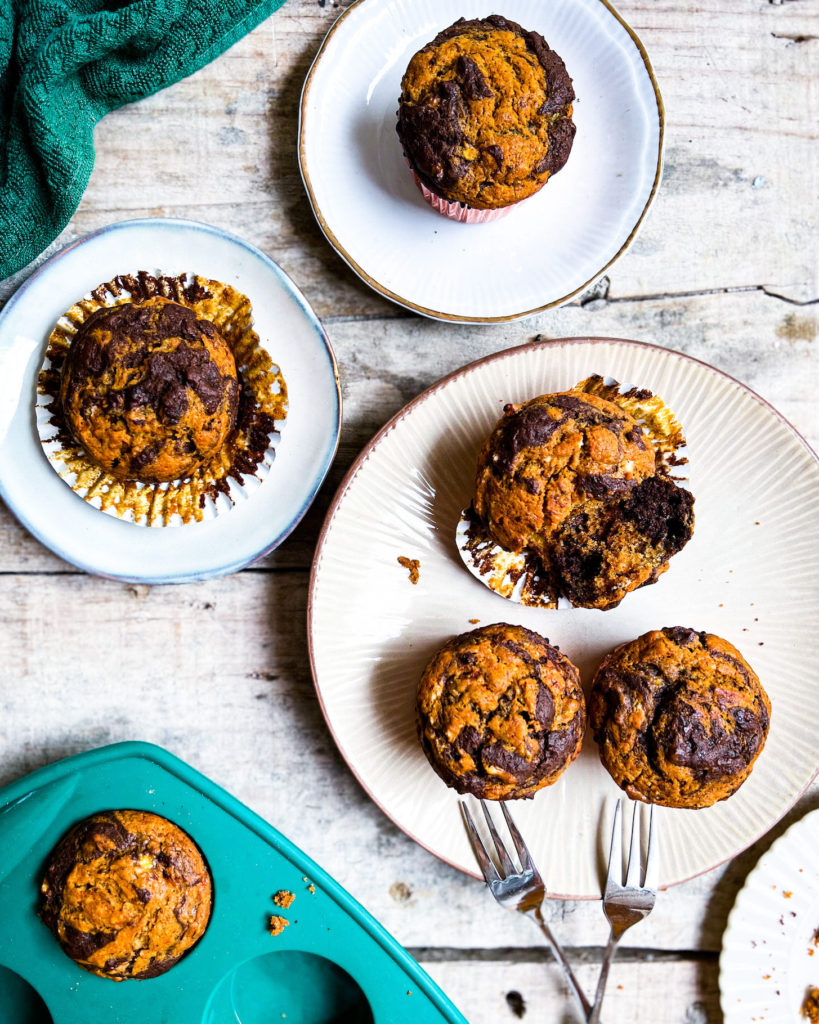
[[311, 888], [787, 894], [277, 924], [474, 621], [284, 898], [413, 565]]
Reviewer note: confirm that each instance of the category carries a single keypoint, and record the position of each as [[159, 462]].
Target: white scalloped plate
[[750, 574], [769, 957], [544, 252], [288, 328]]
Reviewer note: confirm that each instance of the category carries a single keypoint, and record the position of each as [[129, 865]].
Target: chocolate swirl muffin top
[[549, 455], [149, 390], [126, 893], [500, 712], [485, 113], [679, 716]]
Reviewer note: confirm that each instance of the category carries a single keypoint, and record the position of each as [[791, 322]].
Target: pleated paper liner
[[247, 455], [520, 576]]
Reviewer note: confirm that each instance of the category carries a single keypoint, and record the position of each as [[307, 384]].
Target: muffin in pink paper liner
[[458, 211], [485, 117]]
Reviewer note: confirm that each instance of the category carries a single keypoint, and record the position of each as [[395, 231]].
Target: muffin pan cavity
[[20, 1002], [302, 986], [332, 963]]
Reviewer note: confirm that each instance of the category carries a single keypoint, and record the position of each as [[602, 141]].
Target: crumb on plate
[[413, 565]]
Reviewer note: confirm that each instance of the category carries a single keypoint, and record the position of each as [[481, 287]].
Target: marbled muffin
[[574, 478], [679, 717], [126, 893], [149, 390], [485, 111], [500, 712]]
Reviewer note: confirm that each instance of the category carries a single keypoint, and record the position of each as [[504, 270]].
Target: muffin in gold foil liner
[[234, 471], [520, 576]]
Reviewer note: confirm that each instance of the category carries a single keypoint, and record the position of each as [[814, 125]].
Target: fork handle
[[594, 1016], [565, 966]]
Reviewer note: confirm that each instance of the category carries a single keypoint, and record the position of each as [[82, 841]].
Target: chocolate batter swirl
[[679, 716], [126, 893], [485, 111], [500, 712]]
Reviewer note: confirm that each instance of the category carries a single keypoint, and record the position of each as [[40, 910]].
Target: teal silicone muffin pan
[[333, 964]]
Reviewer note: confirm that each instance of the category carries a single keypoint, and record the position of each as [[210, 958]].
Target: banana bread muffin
[[574, 479], [149, 390], [126, 893], [485, 113], [500, 712], [679, 716]]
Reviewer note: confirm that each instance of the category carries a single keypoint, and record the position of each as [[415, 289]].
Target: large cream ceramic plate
[[545, 251], [769, 951], [750, 574]]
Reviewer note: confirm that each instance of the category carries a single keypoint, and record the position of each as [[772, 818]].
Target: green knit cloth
[[63, 65]]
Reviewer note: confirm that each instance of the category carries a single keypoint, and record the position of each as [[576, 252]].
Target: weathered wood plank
[[735, 209], [217, 672], [764, 342], [685, 992]]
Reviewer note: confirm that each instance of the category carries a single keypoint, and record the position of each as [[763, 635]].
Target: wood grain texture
[[724, 270]]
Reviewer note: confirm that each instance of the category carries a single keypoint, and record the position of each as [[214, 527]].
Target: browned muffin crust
[[810, 1005], [679, 716], [485, 113], [149, 390], [549, 455], [126, 893], [500, 712]]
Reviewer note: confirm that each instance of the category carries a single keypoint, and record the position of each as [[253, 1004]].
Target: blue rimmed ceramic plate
[[333, 964], [289, 330]]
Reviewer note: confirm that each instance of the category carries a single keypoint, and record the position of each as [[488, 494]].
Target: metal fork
[[624, 904], [515, 889]]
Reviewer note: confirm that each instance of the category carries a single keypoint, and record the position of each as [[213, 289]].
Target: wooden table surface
[[724, 269]]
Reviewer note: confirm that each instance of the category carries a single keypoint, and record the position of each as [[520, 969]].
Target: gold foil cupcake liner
[[521, 576], [246, 457]]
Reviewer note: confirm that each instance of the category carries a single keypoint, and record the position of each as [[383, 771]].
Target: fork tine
[[615, 872], [524, 856], [652, 854], [635, 856], [490, 872], [505, 860]]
